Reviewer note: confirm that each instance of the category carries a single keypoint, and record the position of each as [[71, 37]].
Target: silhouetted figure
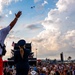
[[21, 58]]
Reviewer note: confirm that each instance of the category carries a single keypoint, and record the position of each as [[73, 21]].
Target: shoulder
[[28, 50], [6, 29], [16, 51]]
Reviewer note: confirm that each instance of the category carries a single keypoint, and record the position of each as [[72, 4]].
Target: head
[[22, 43]]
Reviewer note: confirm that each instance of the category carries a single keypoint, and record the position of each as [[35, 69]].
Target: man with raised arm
[[3, 33]]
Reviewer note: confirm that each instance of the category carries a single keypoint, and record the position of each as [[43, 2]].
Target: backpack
[[3, 49]]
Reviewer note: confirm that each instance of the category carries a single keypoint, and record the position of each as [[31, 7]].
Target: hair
[[22, 50], [21, 44]]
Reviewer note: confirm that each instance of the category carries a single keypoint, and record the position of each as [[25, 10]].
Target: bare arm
[[15, 20]]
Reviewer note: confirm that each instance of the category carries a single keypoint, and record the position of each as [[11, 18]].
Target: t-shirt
[[3, 34]]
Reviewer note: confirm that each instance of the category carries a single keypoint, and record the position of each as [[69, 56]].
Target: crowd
[[9, 70], [45, 69]]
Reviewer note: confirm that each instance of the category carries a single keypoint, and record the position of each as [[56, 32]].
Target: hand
[[18, 14]]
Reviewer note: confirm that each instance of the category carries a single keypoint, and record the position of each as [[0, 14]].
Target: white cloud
[[4, 3], [10, 12], [45, 2], [0, 6], [59, 33], [65, 5], [6, 15]]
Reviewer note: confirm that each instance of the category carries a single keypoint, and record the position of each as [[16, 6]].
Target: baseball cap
[[21, 42]]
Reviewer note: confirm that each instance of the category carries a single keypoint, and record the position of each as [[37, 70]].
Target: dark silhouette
[[21, 58], [32, 7]]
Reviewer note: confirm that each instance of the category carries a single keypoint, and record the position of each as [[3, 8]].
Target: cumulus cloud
[[59, 30], [5, 2], [65, 5], [34, 26]]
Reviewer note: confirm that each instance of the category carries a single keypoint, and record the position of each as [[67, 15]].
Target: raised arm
[[15, 19]]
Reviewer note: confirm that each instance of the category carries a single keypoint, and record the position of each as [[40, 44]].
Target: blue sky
[[50, 26], [28, 15]]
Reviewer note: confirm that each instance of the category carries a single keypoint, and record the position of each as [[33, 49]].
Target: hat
[[21, 42]]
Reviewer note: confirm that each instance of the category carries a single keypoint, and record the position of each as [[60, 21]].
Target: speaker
[[61, 56], [28, 46]]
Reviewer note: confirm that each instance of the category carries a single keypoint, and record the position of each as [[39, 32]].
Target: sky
[[49, 26]]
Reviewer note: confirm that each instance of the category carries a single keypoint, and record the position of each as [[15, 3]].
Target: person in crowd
[[21, 58], [3, 34]]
